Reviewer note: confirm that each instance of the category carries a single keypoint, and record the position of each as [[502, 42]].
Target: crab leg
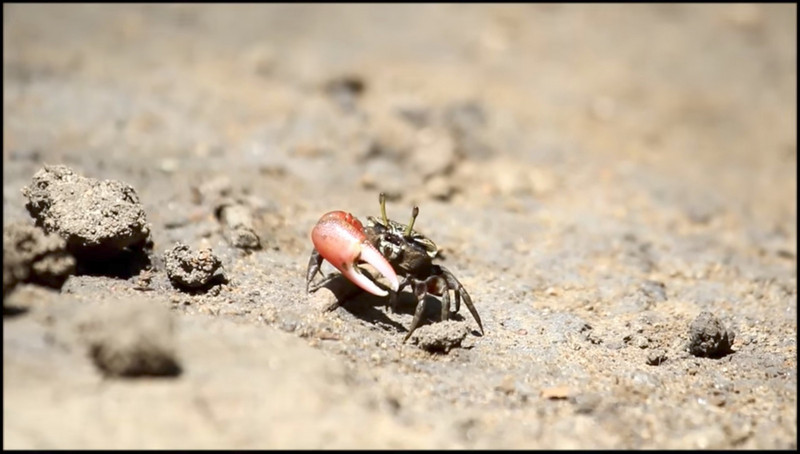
[[420, 291], [460, 291], [339, 238], [314, 264]]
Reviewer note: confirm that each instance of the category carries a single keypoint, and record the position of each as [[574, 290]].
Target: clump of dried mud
[[31, 255], [96, 218], [131, 337], [708, 337], [192, 269]]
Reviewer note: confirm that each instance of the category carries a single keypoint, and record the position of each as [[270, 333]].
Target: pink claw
[[339, 239]]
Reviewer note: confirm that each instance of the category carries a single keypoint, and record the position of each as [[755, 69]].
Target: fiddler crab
[[392, 249]]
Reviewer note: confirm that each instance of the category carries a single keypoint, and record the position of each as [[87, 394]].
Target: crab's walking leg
[[314, 264], [322, 283], [314, 267], [460, 291], [420, 291], [438, 285], [445, 299]]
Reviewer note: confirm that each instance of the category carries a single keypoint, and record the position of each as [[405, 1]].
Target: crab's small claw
[[339, 238]]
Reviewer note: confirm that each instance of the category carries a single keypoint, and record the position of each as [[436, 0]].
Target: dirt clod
[[237, 220], [190, 269], [98, 219], [708, 337], [131, 337], [31, 255], [440, 337]]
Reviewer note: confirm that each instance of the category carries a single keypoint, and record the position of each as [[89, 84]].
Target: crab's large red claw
[[339, 239]]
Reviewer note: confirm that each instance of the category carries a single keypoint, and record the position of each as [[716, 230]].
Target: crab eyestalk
[[410, 226], [382, 200]]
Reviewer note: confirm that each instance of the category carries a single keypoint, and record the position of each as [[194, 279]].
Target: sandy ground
[[597, 177]]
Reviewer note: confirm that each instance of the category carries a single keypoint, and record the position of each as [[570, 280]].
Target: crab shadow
[[375, 309]]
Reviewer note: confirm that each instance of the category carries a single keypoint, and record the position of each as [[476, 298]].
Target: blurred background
[[697, 92]]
